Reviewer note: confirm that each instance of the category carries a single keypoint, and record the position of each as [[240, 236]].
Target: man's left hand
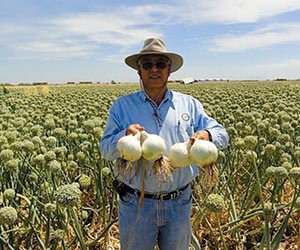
[[202, 135]]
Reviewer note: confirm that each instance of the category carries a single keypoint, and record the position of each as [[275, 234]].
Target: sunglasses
[[158, 65]]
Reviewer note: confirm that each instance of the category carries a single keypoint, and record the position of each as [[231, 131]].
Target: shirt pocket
[[184, 131], [186, 197]]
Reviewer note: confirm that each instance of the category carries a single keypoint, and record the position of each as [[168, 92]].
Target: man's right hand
[[134, 128]]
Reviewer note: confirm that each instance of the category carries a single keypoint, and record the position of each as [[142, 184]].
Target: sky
[[57, 41]]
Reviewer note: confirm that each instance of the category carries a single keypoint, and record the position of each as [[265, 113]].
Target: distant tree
[[24, 84], [39, 83]]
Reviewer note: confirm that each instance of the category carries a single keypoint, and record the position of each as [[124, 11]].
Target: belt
[[165, 196]]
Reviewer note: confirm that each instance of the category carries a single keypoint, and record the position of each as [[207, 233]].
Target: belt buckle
[[173, 195], [161, 196], [176, 194]]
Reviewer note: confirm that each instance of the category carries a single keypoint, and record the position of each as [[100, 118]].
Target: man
[[164, 217]]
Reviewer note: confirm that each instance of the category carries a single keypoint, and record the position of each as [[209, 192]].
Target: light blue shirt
[[179, 117]]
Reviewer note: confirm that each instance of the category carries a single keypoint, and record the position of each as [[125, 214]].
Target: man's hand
[[134, 128], [202, 135]]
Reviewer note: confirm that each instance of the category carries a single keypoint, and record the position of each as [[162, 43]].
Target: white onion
[[203, 152], [179, 154], [129, 147], [153, 146]]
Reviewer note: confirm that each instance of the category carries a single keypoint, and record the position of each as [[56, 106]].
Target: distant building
[[85, 82], [188, 80]]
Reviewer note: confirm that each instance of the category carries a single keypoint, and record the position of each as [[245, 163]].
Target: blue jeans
[[162, 222]]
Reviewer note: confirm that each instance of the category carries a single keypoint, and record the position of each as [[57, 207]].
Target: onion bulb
[[130, 150], [153, 146], [179, 154], [129, 147], [203, 152]]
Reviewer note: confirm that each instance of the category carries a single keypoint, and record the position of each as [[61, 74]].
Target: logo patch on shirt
[[185, 117]]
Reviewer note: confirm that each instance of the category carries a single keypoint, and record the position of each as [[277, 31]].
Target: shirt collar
[[168, 96]]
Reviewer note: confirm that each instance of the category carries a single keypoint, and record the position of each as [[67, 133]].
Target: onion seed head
[[295, 173], [68, 195], [50, 207], [8, 215], [9, 194], [85, 181], [6, 155], [215, 203]]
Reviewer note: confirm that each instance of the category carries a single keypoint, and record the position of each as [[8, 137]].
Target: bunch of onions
[[199, 152], [130, 150], [204, 154], [153, 148]]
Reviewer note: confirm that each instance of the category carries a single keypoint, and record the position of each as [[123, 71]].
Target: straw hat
[[155, 46]]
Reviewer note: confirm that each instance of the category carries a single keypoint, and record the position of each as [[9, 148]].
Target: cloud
[[232, 11], [270, 35], [59, 50], [102, 27], [124, 27], [82, 34]]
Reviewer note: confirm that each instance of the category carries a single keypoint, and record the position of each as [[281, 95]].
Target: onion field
[[56, 189]]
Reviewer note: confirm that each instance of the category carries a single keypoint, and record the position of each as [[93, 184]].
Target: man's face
[[154, 70]]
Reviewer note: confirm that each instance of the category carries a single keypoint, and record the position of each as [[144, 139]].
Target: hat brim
[[176, 60]]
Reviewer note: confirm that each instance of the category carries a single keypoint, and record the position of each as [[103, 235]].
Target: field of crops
[[56, 190]]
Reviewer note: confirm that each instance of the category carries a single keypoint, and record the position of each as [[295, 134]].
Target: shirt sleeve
[[112, 133], [218, 133]]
